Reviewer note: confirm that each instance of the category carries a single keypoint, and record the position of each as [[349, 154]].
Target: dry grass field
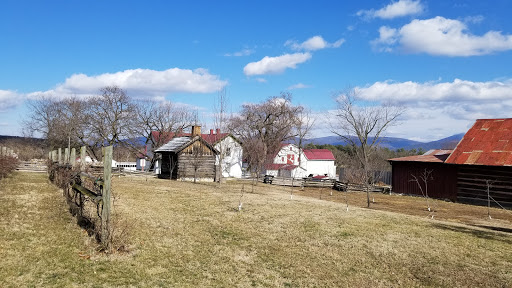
[[186, 235]]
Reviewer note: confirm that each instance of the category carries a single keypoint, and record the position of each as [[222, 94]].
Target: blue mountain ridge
[[396, 143]]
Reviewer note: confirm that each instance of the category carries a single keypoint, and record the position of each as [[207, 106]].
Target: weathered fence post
[[82, 158], [73, 157], [105, 213], [59, 155], [66, 155]]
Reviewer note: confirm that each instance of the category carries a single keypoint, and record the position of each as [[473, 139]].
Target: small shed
[[188, 158], [441, 184]]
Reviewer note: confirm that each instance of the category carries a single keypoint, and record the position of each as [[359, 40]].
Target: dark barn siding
[[443, 186], [472, 186]]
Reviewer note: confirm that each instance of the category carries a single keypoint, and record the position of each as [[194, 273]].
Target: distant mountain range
[[387, 142], [397, 143]]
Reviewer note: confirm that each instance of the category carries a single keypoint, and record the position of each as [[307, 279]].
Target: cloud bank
[[441, 37], [450, 107]]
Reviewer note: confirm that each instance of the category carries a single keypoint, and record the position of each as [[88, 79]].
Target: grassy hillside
[[187, 235]]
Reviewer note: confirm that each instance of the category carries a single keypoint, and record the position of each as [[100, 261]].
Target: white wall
[[232, 157], [321, 167]]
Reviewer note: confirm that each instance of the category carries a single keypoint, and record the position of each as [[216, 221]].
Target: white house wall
[[321, 167]]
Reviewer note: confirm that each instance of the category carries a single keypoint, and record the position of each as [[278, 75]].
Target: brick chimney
[[211, 131], [218, 131], [196, 131]]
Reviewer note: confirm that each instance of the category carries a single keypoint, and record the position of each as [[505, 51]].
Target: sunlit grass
[[187, 235]]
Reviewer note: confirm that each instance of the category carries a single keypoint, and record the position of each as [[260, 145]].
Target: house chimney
[[196, 131], [218, 131], [211, 131]]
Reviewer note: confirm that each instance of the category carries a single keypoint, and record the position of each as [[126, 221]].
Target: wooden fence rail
[[85, 193]]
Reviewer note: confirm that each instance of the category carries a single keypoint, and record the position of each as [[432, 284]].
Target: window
[[228, 151]]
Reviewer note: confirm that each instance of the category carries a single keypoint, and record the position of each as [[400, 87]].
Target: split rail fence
[[87, 189]]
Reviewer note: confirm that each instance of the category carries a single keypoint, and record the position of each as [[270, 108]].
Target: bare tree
[[109, 115], [220, 124], [159, 123], [44, 119], [263, 127], [362, 127], [424, 176], [303, 129]]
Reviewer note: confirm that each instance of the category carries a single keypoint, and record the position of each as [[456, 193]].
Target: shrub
[[7, 165]]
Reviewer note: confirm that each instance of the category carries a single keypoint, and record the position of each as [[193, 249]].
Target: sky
[[446, 62]]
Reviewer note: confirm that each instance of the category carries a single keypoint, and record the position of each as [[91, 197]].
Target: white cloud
[[440, 109], [140, 83], [244, 52], [298, 86], [458, 90], [394, 9], [276, 65], [313, 43], [443, 37], [387, 37], [261, 80], [10, 99]]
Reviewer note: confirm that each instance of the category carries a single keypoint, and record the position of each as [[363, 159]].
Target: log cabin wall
[[472, 184]]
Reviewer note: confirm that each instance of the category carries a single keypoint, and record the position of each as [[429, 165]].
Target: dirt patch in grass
[[501, 220], [188, 235]]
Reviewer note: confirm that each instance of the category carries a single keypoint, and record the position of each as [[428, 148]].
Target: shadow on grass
[[489, 235]]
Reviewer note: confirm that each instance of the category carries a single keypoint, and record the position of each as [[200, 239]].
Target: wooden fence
[[6, 151], [87, 189], [301, 182]]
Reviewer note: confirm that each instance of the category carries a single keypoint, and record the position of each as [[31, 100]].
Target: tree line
[[113, 118]]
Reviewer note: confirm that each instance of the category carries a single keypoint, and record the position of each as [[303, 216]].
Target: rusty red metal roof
[[488, 142], [319, 154], [432, 156]]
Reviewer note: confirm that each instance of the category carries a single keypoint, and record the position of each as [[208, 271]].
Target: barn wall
[[443, 185], [472, 184]]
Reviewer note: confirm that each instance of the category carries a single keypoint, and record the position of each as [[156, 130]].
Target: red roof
[[433, 156], [210, 138], [488, 142], [319, 154]]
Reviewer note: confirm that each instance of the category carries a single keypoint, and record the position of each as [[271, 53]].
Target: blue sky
[[447, 62]]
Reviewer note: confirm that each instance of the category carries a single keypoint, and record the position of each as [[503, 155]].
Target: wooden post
[[72, 156], [59, 155], [82, 158], [66, 155], [50, 155], [54, 155], [105, 213]]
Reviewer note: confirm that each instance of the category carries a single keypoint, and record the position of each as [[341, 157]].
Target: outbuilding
[[188, 158]]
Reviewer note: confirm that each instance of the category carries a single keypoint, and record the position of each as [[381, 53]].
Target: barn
[[484, 162], [478, 171], [188, 158], [441, 181]]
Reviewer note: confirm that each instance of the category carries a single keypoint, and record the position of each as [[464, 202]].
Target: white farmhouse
[[312, 162]]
